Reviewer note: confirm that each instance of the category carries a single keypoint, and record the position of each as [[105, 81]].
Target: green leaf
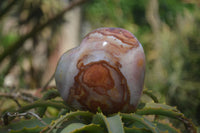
[[166, 128], [36, 129], [159, 105], [66, 117], [115, 124], [159, 109], [72, 127], [29, 124], [136, 118], [112, 124], [166, 110], [91, 128], [100, 119], [136, 130]]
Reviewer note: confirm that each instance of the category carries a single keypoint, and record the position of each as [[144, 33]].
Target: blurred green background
[[34, 34]]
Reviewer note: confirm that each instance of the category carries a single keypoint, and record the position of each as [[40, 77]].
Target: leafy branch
[[19, 43], [7, 8]]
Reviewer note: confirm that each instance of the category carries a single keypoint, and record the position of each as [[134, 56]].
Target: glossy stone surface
[[107, 71]]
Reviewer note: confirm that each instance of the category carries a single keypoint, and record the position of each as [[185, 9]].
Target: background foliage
[[167, 29]]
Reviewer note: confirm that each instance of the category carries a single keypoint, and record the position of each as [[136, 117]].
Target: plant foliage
[[85, 121]]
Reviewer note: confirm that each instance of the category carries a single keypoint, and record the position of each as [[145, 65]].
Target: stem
[[19, 95], [48, 95], [45, 86], [150, 94], [41, 104]]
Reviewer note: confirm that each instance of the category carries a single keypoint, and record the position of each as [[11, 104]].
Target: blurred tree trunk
[[153, 18], [69, 38]]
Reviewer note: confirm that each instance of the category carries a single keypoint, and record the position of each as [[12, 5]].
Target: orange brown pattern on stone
[[94, 87], [121, 34], [98, 75]]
